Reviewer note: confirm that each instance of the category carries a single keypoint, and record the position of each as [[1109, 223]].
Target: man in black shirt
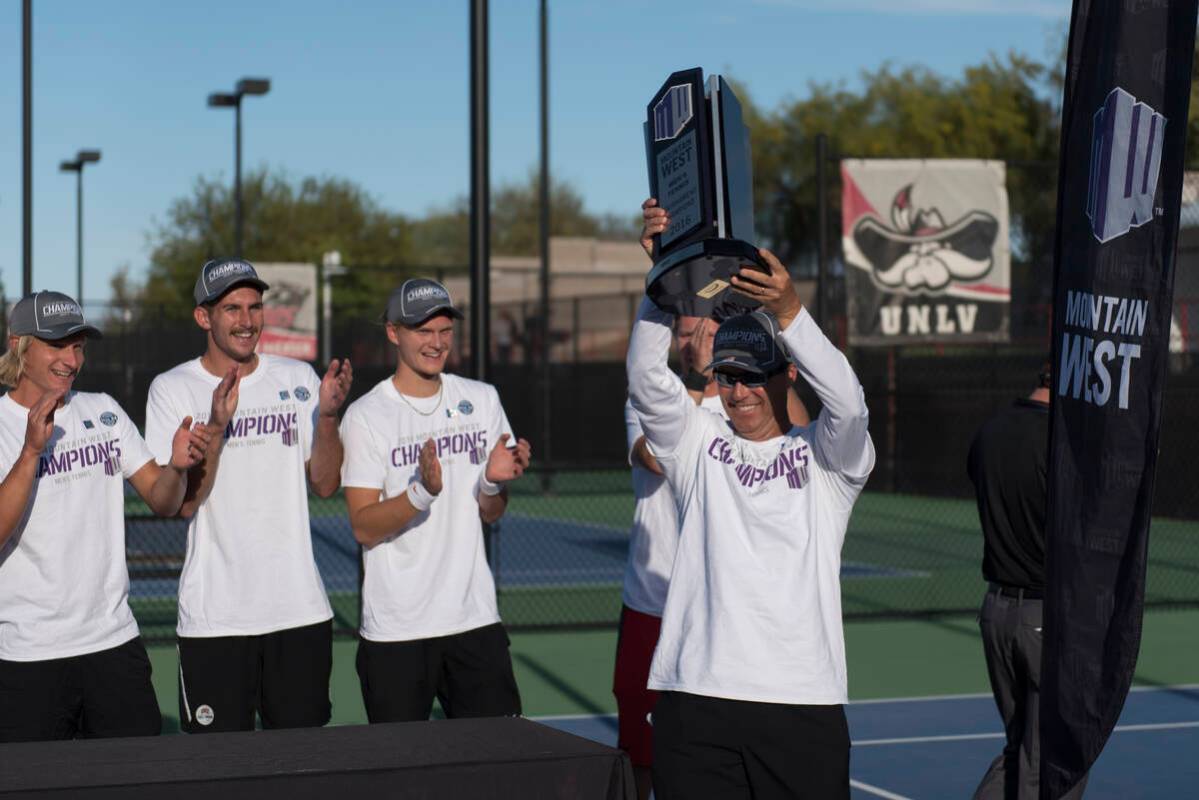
[[1008, 465]]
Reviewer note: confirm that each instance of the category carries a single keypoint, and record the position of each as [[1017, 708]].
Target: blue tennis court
[[934, 747], [527, 551]]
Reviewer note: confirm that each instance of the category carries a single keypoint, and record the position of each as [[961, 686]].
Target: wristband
[[419, 496], [695, 381], [487, 487]]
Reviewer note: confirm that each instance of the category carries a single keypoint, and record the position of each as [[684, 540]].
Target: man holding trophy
[[750, 663]]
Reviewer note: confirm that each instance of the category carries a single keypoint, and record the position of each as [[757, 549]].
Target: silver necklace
[[430, 412]]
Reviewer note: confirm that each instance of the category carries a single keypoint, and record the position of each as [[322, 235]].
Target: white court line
[[966, 737], [976, 695], [876, 791]]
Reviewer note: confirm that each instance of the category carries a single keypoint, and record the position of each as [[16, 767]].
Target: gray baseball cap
[[417, 300], [748, 342], [220, 275], [50, 316]]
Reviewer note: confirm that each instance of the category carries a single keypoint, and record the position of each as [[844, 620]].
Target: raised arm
[[655, 392], [842, 426], [17, 485], [324, 464]]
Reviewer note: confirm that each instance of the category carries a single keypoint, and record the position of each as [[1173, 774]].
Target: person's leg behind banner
[[996, 623], [1028, 643]]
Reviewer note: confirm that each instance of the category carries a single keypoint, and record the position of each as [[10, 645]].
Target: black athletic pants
[[93, 695], [283, 676], [470, 673], [712, 747]]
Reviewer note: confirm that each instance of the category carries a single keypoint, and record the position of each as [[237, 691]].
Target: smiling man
[[71, 658], [255, 632], [427, 458], [751, 658]]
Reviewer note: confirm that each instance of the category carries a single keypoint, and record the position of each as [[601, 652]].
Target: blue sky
[[377, 92]]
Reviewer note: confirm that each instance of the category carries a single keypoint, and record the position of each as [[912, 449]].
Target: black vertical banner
[[1124, 119]]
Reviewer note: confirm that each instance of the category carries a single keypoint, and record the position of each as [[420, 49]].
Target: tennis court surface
[[935, 747]]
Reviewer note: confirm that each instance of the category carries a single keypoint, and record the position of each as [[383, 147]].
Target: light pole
[[254, 86], [76, 166], [330, 268]]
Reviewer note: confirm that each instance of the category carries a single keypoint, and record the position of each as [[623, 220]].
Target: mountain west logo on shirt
[[301, 394], [1126, 159], [920, 254], [108, 418]]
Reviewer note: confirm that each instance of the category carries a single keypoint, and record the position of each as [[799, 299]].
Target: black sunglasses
[[750, 380]]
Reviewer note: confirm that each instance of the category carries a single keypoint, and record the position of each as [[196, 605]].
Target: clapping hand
[[189, 444], [430, 468], [508, 463], [335, 387], [40, 424], [224, 401]]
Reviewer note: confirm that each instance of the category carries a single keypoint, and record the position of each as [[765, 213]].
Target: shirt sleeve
[[632, 428], [309, 408], [365, 463], [842, 436], [162, 418], [134, 452], [656, 394]]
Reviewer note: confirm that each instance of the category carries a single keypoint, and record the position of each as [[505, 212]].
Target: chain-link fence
[[558, 555]]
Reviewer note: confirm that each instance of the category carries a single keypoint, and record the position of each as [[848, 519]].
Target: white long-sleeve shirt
[[754, 607]]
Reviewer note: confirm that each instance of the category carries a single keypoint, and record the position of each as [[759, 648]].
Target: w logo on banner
[[672, 112], [1126, 158]]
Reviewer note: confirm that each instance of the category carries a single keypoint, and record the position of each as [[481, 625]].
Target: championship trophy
[[697, 152]]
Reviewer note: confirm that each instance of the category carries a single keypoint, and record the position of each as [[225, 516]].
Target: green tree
[[284, 221]]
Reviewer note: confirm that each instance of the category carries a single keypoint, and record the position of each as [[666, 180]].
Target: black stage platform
[[470, 758]]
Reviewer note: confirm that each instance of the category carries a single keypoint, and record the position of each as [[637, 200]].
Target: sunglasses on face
[[749, 380]]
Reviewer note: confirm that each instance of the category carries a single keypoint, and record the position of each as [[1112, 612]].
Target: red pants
[[634, 650]]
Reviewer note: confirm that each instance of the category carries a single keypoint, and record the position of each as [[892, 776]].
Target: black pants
[[470, 673], [711, 747], [283, 676], [93, 695], [1011, 632]]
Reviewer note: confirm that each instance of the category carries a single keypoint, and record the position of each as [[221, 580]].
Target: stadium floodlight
[[76, 166], [245, 86]]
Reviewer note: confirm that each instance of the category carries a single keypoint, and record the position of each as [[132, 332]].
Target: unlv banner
[[1124, 120], [926, 251], [289, 310]]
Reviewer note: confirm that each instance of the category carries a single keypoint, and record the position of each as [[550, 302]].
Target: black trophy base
[[694, 281]]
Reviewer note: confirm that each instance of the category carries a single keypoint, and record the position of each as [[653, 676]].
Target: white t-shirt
[[754, 607], [64, 586], [431, 578], [655, 533], [249, 567]]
